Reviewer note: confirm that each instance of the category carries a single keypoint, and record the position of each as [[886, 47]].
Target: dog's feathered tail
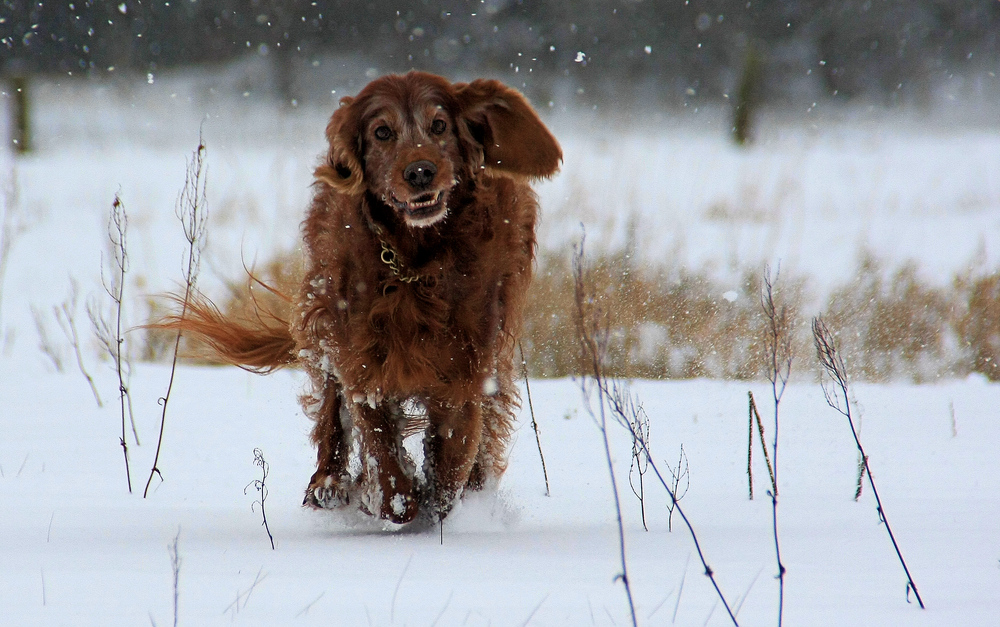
[[261, 344]]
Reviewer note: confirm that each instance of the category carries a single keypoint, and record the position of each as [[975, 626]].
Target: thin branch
[[683, 473], [260, 486], [593, 344], [192, 211], [834, 368], [175, 566], [861, 476], [778, 354], [532, 614], [750, 446], [591, 334], [306, 609], [244, 596], [65, 314], [45, 343], [113, 339], [443, 609], [680, 589], [675, 500], [754, 414], [639, 464], [534, 425], [12, 224], [395, 591]]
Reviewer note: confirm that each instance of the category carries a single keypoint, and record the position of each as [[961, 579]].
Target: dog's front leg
[[387, 490], [450, 450], [331, 484]]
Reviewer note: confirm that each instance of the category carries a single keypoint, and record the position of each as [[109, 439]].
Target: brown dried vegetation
[[668, 322]]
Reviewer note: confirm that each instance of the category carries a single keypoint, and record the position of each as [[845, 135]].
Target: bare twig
[[192, 211], [534, 425], [619, 412], [306, 609], [778, 354], [636, 415], [443, 609], [593, 336], [593, 339], [754, 414], [861, 476], [743, 598], [112, 338], [680, 589], [532, 614], [261, 486], [105, 335], [175, 566], [244, 597], [65, 314], [12, 224], [838, 398], [683, 473], [395, 591], [45, 343], [750, 446]]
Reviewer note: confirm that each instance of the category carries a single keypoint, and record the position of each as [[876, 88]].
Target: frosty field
[[77, 549]]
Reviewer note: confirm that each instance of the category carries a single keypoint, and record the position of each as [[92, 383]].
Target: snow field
[[77, 549]]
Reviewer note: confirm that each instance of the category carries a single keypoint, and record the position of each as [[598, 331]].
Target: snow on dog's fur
[[419, 247]]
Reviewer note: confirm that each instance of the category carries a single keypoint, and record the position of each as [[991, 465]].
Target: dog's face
[[411, 155], [409, 140]]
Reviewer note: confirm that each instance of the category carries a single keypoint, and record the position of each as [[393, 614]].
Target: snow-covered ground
[[76, 548]]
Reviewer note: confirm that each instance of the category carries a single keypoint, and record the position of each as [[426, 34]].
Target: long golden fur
[[419, 246]]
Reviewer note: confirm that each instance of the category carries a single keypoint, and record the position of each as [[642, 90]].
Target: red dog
[[419, 247]]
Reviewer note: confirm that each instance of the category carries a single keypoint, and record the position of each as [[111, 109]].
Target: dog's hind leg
[[331, 484], [491, 459], [498, 424]]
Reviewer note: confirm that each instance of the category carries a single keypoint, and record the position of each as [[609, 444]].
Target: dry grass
[[665, 322], [891, 324], [977, 324], [670, 322]]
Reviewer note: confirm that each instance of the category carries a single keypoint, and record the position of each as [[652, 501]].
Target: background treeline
[[667, 50]]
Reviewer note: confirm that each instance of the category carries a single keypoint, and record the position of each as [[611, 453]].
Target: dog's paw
[[328, 492], [399, 507], [402, 508]]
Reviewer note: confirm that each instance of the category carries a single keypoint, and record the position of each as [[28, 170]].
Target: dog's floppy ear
[[504, 132], [342, 168]]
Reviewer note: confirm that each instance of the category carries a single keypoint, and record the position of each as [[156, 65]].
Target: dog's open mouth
[[423, 208]]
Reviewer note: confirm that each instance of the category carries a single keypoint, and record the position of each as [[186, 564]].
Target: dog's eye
[[383, 133], [438, 127]]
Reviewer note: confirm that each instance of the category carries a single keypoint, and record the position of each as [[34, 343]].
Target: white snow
[[77, 548]]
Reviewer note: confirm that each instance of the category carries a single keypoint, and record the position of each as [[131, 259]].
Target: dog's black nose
[[420, 174]]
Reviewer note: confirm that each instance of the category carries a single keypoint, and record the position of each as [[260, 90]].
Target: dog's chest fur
[[380, 335]]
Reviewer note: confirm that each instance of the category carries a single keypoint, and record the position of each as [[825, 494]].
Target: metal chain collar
[[391, 258]]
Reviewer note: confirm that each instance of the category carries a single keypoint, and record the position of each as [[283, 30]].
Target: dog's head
[[410, 139]]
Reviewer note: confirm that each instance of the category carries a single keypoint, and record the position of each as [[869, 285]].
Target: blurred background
[[634, 54], [854, 144]]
